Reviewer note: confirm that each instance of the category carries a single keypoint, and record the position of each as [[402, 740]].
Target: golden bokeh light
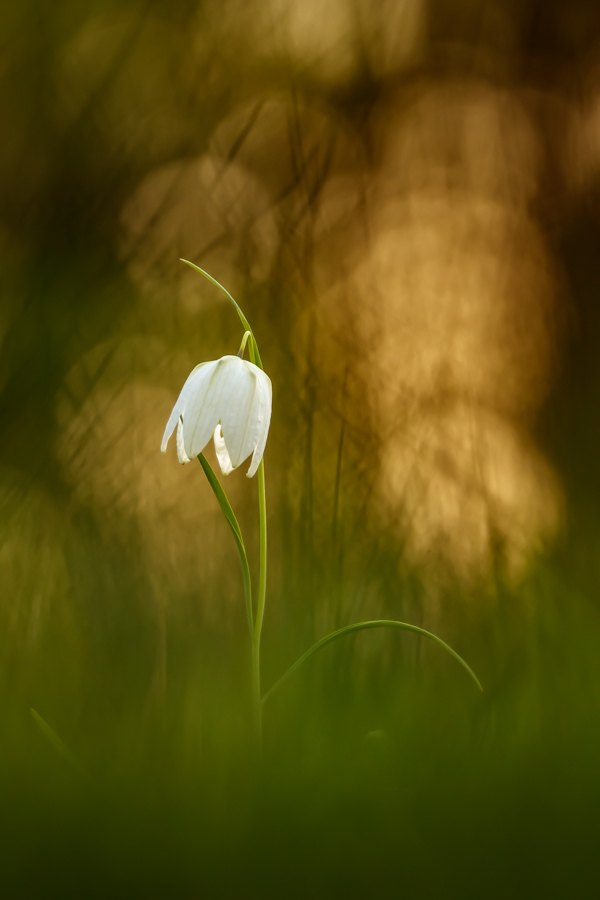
[[205, 209], [110, 426], [417, 290], [469, 490], [449, 298]]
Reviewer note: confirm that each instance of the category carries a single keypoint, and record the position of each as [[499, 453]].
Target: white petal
[[263, 420], [203, 408], [181, 454], [236, 412], [260, 415], [230, 399], [221, 451], [180, 405]]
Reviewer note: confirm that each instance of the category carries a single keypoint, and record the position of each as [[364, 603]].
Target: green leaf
[[362, 626], [254, 354], [237, 533]]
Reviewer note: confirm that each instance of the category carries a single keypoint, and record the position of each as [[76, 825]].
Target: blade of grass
[[60, 747], [362, 626], [237, 534]]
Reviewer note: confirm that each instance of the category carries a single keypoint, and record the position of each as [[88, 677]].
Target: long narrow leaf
[[237, 533], [60, 747], [220, 495], [362, 626], [257, 361]]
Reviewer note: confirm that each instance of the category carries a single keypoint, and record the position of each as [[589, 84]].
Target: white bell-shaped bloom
[[229, 399]]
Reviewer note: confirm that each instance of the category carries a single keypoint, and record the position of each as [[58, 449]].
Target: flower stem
[[247, 334], [260, 610]]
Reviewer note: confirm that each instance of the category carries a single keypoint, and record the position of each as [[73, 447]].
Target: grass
[[390, 775]]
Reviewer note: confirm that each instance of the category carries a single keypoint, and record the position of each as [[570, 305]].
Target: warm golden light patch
[[456, 297], [110, 431], [468, 489], [417, 281], [204, 209], [459, 135], [445, 307], [314, 36]]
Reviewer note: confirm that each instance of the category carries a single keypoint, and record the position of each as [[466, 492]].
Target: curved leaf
[[254, 350], [362, 626]]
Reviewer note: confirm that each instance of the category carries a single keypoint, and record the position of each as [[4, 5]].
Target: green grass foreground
[[390, 776]]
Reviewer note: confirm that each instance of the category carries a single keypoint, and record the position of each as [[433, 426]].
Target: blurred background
[[404, 198]]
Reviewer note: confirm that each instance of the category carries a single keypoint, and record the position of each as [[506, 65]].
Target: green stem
[[243, 318], [362, 626], [260, 611], [247, 334], [237, 533]]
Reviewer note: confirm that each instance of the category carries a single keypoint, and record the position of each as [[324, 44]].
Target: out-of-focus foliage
[[403, 196]]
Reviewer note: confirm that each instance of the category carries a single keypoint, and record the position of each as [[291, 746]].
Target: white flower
[[230, 399]]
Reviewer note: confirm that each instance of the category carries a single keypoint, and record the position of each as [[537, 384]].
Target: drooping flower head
[[229, 399]]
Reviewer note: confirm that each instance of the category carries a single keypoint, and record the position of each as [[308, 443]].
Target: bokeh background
[[404, 197]]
